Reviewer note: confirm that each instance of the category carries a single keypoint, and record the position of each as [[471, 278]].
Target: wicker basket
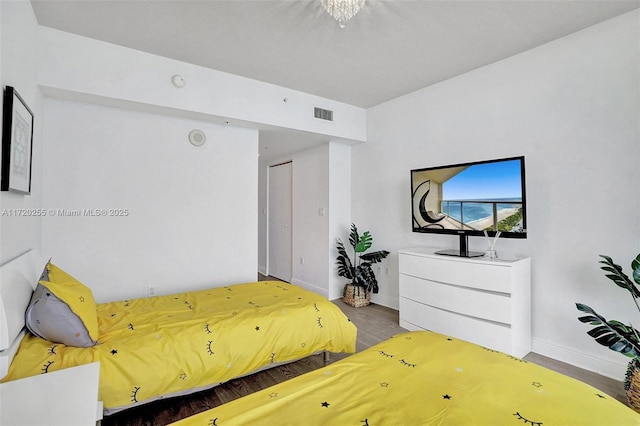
[[356, 296], [632, 384]]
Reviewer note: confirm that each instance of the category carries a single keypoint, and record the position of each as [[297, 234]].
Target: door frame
[[269, 221]]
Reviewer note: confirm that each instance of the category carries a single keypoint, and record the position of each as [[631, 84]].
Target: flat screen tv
[[470, 199]]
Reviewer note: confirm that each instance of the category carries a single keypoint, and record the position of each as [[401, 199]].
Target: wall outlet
[[152, 290], [301, 260]]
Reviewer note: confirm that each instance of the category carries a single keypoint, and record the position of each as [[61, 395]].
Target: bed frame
[[18, 278]]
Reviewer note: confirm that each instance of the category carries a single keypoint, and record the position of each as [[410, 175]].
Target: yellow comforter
[[172, 344], [424, 378]]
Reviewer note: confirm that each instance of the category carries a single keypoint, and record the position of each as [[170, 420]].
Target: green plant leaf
[[618, 276], [365, 242], [613, 334]]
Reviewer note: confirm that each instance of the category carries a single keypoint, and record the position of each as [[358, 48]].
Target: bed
[[156, 347], [424, 378]]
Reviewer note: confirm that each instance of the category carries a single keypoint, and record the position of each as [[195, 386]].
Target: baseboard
[[309, 286], [612, 369], [387, 301], [378, 299], [262, 270]]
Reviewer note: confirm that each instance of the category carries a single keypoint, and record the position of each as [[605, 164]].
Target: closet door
[[279, 246]]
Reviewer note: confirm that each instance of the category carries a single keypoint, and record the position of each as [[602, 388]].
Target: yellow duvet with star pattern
[[170, 345], [424, 378]]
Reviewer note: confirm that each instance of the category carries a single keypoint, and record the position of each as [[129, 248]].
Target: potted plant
[[363, 280], [614, 334]]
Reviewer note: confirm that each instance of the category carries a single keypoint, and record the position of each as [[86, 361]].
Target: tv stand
[[463, 252]]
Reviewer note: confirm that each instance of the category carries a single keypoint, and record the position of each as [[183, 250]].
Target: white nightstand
[[66, 397]]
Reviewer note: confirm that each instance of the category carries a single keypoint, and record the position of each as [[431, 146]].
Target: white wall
[[263, 192], [80, 65], [309, 225], [19, 41], [339, 210], [192, 211], [93, 72], [572, 107]]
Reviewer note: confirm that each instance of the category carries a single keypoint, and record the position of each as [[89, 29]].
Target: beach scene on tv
[[477, 197]]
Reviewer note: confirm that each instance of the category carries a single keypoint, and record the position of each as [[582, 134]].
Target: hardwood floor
[[375, 323]]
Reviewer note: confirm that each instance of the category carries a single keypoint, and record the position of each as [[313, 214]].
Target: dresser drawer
[[484, 333], [472, 302], [461, 273]]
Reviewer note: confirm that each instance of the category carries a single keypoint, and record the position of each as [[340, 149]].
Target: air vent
[[323, 114]]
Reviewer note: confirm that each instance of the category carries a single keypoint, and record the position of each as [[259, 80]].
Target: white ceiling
[[389, 49]]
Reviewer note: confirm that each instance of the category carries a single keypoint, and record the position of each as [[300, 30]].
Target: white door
[[279, 247]]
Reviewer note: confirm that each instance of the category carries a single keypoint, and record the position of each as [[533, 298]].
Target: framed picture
[[17, 143]]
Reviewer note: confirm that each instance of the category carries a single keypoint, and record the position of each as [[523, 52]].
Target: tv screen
[[471, 198]]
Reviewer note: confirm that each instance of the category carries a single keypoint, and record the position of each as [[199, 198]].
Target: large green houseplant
[[359, 270], [615, 335]]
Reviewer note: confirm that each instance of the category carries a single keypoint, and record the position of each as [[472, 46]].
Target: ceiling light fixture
[[342, 10]]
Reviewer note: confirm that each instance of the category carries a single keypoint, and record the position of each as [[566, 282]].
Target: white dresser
[[483, 301]]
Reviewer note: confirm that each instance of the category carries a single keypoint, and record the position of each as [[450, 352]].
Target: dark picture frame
[[17, 143]]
